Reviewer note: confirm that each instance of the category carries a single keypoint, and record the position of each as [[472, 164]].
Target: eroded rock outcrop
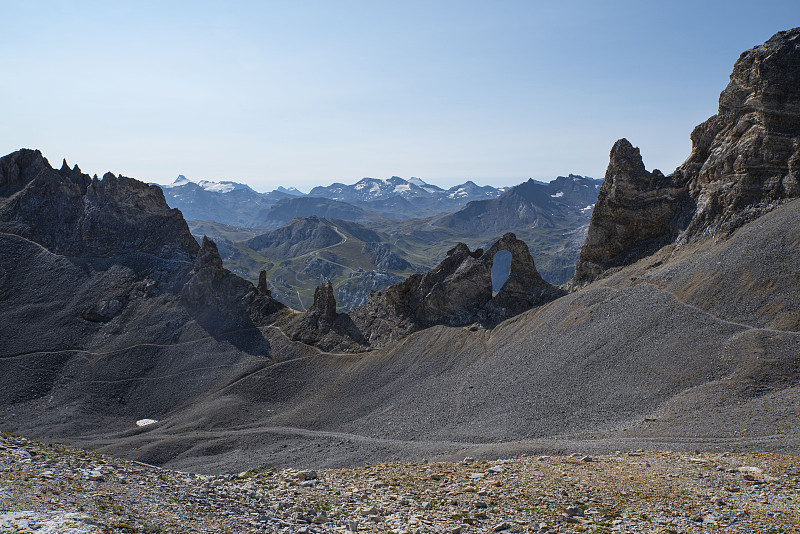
[[637, 212], [449, 294], [72, 214], [323, 326], [745, 161], [222, 298], [458, 292], [262, 287], [524, 288]]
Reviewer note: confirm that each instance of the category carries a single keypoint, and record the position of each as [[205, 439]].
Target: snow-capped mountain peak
[[213, 187]]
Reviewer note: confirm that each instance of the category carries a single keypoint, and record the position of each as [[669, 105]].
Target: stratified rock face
[[637, 212], [745, 161], [72, 214]]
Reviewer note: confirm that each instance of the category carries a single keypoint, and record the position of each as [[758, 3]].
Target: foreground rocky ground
[[54, 489]]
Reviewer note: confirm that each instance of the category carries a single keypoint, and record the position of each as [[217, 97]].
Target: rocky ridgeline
[[745, 160], [71, 213], [55, 489], [117, 220]]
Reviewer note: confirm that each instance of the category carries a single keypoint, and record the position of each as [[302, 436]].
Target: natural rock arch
[[524, 288]]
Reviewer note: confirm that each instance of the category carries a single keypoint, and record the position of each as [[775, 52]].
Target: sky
[[304, 93]]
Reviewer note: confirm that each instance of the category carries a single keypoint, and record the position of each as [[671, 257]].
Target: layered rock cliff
[[745, 161], [637, 212]]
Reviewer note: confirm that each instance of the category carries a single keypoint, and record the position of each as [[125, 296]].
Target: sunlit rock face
[[637, 212], [745, 161]]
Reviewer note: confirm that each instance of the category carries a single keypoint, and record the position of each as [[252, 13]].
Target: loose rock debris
[[55, 489]]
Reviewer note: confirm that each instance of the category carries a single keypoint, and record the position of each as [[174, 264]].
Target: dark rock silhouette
[[323, 327], [262, 284], [221, 297], [72, 214]]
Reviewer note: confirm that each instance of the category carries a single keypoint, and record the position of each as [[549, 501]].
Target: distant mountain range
[[395, 198], [340, 235]]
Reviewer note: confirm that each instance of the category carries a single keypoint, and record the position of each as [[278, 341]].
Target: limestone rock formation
[[745, 161], [322, 326], [262, 284], [451, 293], [324, 306], [637, 212], [458, 292], [524, 288], [72, 214]]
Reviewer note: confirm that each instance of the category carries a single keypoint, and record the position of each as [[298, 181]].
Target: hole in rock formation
[[501, 268]]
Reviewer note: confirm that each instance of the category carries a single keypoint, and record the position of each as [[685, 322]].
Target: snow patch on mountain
[[208, 185]]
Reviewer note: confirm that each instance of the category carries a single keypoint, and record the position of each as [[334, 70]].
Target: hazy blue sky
[[303, 93]]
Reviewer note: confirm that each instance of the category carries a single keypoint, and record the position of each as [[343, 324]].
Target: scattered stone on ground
[[55, 489]]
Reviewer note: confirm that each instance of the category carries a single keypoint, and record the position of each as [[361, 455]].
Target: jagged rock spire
[[324, 306], [636, 213], [263, 288]]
